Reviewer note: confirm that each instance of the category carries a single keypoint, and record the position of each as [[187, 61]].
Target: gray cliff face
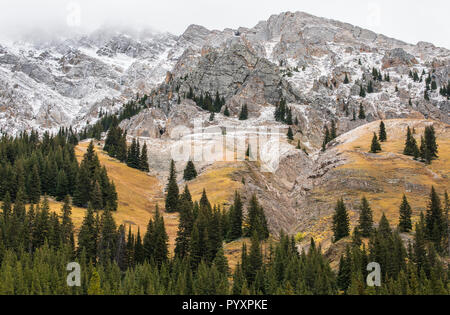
[[297, 56]]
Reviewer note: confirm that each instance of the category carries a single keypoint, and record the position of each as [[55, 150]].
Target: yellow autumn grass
[[139, 193], [390, 171]]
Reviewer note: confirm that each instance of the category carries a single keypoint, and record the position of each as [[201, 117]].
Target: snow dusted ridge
[[298, 56]]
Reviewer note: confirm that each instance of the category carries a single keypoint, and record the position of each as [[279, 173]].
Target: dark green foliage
[[365, 218], [362, 91], [383, 135], [186, 224], [283, 113], [236, 218], [119, 265], [49, 166], [405, 224], [346, 80], [341, 222], [244, 113], [436, 223], [290, 134], [172, 196], [256, 220], [190, 172], [375, 146], [362, 113], [93, 184], [226, 112], [116, 142], [87, 237], [429, 147], [143, 160], [411, 147], [155, 240]]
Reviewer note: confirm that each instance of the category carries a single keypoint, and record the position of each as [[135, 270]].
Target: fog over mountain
[[410, 21]]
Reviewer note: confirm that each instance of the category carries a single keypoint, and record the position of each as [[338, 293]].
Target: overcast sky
[[407, 20]]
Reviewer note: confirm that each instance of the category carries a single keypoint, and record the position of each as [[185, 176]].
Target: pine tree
[[341, 223], [346, 80], [375, 147], [290, 134], [345, 271], [405, 225], [226, 112], [143, 160], [383, 135], [190, 172], [94, 284], [185, 225], [411, 148], [107, 244], [96, 197], [155, 240], [236, 217], [67, 227], [87, 237], [362, 114], [244, 113], [172, 190], [362, 91], [430, 148], [333, 132], [62, 186], [435, 223], [365, 218], [255, 261], [35, 186], [256, 220], [370, 87]]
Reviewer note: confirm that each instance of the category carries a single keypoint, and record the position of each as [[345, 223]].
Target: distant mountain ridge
[[292, 55]]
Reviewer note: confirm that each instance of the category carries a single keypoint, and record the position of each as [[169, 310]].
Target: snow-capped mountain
[[297, 56]]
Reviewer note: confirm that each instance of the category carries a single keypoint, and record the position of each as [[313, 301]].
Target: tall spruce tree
[[341, 222], [365, 218], [185, 226], [435, 222], [405, 225], [362, 113], [244, 113], [383, 135], [411, 148], [256, 220], [290, 134], [375, 146], [87, 237], [143, 160], [172, 196], [190, 172], [236, 217]]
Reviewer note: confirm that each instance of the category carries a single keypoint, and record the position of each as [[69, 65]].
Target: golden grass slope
[[139, 193], [383, 178]]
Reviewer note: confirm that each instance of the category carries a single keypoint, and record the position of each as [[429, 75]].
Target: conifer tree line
[[106, 120], [410, 270], [330, 135], [283, 113], [116, 147], [36, 245], [231, 223], [436, 229], [206, 101], [428, 150], [31, 167]]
